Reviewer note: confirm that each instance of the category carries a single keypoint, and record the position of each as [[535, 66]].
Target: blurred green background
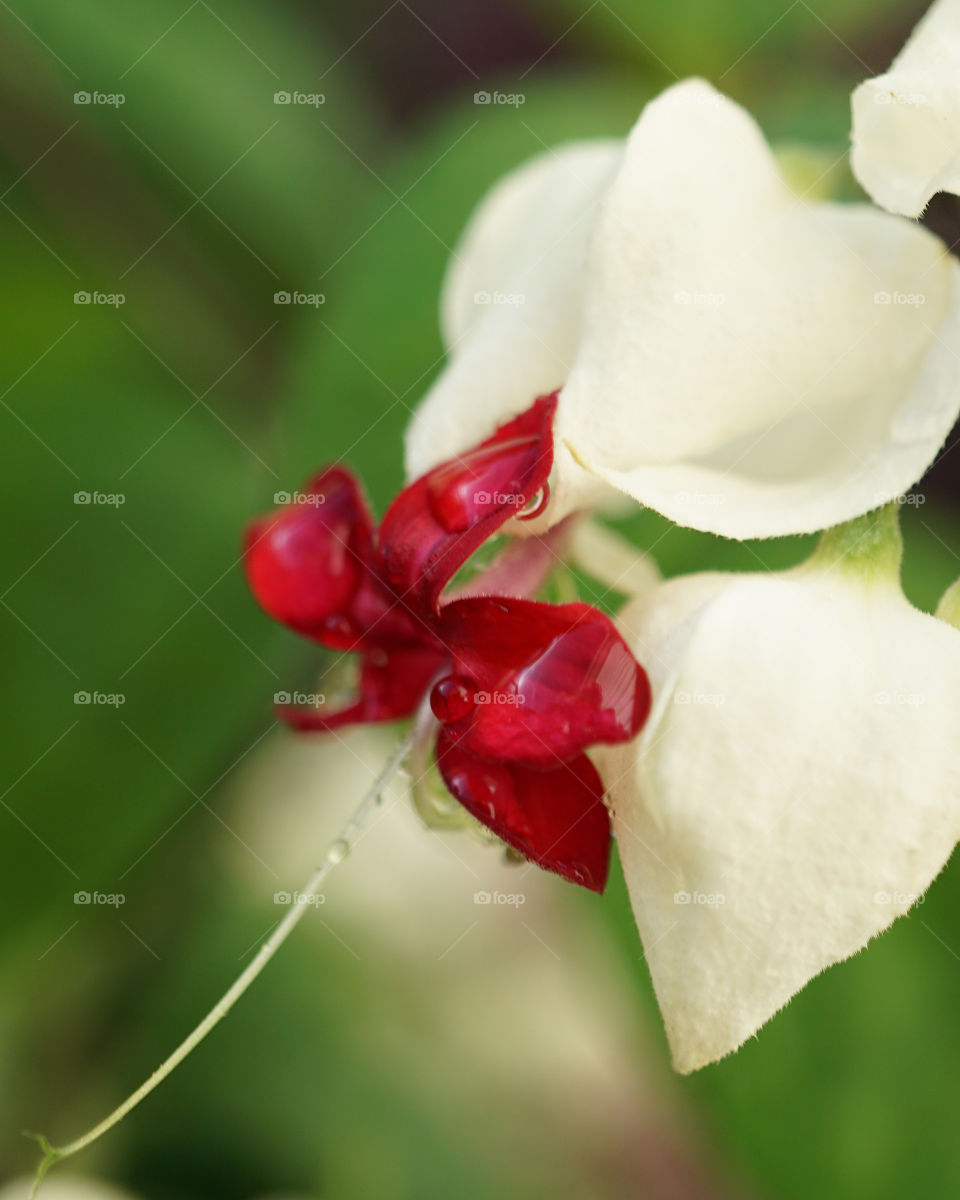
[[383, 1054]]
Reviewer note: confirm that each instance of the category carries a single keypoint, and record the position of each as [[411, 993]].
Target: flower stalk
[[337, 851]]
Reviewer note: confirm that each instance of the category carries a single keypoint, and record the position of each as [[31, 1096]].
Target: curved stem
[[336, 853]]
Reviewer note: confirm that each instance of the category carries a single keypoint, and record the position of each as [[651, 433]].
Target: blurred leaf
[[140, 598], [369, 354]]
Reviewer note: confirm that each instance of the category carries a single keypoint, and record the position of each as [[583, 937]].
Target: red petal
[[311, 564], [392, 684], [521, 568], [556, 818], [305, 561], [435, 524], [548, 680]]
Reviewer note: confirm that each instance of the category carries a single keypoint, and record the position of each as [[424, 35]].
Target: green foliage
[[195, 401]]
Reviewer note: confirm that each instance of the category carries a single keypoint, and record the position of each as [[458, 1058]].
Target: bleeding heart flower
[[518, 689], [906, 122], [739, 359], [797, 787]]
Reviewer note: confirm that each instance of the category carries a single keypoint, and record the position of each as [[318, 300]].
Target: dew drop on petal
[[477, 483], [536, 504], [339, 625], [575, 872], [453, 698]]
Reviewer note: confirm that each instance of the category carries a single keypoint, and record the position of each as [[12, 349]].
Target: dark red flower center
[[519, 688]]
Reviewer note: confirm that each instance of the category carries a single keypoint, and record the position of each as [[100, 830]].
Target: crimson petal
[[439, 520], [312, 565], [537, 683], [306, 560], [392, 684], [554, 817]]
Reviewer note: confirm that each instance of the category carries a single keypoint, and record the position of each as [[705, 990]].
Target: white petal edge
[[512, 298], [906, 122], [752, 365], [799, 783]]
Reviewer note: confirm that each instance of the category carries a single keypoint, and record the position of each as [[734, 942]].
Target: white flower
[[797, 787], [740, 360], [906, 123]]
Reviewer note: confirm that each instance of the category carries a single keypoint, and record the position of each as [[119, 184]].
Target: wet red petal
[[312, 565], [306, 560], [554, 817], [435, 524], [548, 680], [392, 684]]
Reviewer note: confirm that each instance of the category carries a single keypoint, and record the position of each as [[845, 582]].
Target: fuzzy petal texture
[[906, 122], [753, 365], [742, 361], [795, 790]]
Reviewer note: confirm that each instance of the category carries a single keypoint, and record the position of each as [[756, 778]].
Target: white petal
[[797, 788], [512, 299], [906, 123], [750, 364], [611, 559]]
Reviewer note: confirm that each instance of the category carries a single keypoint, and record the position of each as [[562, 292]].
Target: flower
[[906, 122], [518, 689], [797, 787], [738, 359]]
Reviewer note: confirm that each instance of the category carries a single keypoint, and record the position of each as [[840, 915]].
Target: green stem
[[336, 853], [869, 547]]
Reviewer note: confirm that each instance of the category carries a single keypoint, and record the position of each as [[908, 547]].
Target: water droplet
[[476, 484], [535, 505], [339, 625], [575, 872], [338, 851], [453, 698]]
